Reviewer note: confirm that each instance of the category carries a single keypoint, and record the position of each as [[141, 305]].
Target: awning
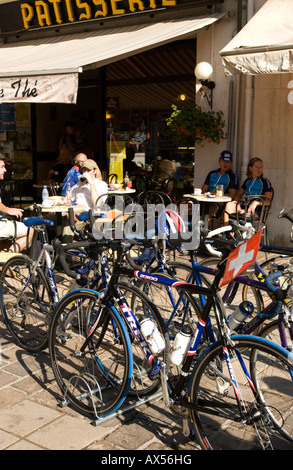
[[26, 65], [265, 44]]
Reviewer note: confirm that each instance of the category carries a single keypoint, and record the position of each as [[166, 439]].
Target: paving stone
[[67, 433], [129, 436], [6, 439], [24, 445], [8, 396], [101, 445], [155, 444], [26, 417], [6, 378]]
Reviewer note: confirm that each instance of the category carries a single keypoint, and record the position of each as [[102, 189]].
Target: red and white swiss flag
[[240, 258]]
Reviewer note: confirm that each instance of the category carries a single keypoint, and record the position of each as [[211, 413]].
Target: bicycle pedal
[[155, 370]]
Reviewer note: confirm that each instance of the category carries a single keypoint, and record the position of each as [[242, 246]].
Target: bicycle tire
[[233, 299], [212, 390], [178, 270], [271, 332], [27, 307], [284, 279], [141, 384], [176, 308], [94, 381]]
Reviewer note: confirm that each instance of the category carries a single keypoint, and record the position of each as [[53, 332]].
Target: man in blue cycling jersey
[[223, 175], [74, 174]]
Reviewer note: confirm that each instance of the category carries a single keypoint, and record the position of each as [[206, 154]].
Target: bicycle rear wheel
[[94, 376], [281, 411], [218, 420], [26, 303], [236, 292], [178, 308]]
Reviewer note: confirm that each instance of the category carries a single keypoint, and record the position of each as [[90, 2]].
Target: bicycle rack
[[98, 390]]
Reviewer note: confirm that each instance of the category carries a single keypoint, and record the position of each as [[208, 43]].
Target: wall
[[209, 43], [273, 142], [271, 122]]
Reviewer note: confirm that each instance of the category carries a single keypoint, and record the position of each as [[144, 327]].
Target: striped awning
[[53, 64]]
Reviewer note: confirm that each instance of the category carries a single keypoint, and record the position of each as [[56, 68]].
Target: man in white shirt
[[7, 227]]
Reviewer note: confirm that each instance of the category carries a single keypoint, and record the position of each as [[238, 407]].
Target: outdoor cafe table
[[122, 191], [206, 200], [61, 212]]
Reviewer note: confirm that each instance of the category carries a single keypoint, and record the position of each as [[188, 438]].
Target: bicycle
[[29, 289], [214, 391], [29, 295]]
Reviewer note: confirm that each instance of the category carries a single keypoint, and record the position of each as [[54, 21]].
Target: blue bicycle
[[237, 390]]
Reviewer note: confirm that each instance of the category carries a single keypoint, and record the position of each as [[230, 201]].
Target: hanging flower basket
[[192, 126]]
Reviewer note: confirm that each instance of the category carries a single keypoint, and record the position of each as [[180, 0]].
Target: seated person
[[130, 166], [7, 227], [254, 185], [61, 168], [221, 176], [90, 187], [74, 174], [166, 168]]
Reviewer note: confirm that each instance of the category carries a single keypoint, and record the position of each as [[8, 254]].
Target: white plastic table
[[61, 211], [206, 201]]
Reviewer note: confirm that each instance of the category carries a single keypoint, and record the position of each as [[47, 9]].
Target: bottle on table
[[68, 194], [126, 179], [45, 196]]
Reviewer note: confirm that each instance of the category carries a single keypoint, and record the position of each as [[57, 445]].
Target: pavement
[[31, 417]]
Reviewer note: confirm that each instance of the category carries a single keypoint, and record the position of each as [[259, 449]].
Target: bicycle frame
[[251, 325]]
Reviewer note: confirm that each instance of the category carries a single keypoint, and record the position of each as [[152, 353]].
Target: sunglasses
[[85, 169]]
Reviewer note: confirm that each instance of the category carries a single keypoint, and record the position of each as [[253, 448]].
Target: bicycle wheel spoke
[[93, 374], [26, 303], [235, 413]]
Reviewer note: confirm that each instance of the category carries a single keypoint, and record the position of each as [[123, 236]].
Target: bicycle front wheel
[[231, 412], [90, 353], [26, 303]]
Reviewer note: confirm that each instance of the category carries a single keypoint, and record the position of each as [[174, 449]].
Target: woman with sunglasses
[[90, 186]]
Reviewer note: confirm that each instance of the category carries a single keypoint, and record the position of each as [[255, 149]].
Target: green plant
[[192, 126]]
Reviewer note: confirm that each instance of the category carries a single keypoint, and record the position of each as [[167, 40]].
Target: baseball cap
[[90, 164], [226, 156]]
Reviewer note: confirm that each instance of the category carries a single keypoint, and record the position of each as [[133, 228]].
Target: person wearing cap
[[74, 174], [90, 189], [222, 176]]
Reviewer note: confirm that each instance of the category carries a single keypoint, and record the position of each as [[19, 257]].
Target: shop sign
[[36, 14], [39, 89]]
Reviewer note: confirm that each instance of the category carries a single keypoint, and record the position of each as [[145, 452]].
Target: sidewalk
[[30, 418]]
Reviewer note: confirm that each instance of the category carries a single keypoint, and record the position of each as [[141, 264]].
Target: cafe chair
[[113, 178], [169, 185], [259, 219], [22, 193], [54, 187], [153, 197], [140, 182], [7, 192], [4, 240]]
